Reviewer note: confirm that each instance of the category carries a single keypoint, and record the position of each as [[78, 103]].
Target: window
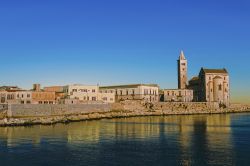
[[183, 64], [22, 95], [211, 90], [28, 95], [28, 102], [93, 90], [111, 99], [127, 92], [104, 98], [121, 92], [220, 87], [133, 91], [74, 90], [93, 98]]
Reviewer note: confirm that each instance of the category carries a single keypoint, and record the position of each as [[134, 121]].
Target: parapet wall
[[46, 110], [27, 114], [165, 106]]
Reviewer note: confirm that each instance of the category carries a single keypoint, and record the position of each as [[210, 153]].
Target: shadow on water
[[169, 140]]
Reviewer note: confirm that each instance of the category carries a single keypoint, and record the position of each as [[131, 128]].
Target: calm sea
[[147, 141]]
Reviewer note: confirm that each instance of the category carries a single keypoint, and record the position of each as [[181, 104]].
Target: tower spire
[[182, 57], [182, 71]]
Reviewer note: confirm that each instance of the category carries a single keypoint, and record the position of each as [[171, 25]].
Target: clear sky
[[57, 42]]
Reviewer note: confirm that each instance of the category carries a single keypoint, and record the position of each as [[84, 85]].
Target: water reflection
[[199, 139]]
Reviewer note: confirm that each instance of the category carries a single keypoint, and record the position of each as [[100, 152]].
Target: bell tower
[[182, 71]]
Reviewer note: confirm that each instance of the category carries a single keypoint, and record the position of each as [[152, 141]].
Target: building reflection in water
[[198, 138]]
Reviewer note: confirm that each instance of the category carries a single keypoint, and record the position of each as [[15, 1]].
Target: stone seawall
[[42, 110], [50, 114]]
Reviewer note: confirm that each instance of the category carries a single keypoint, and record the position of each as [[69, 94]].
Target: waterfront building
[[41, 97], [23, 97], [15, 97], [146, 92], [88, 93], [212, 85], [58, 92], [178, 95], [182, 94]]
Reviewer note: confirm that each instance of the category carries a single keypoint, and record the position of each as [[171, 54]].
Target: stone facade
[[58, 91], [81, 92], [179, 95], [182, 71], [41, 97], [88, 93], [146, 92], [182, 94], [40, 110], [15, 97], [212, 85]]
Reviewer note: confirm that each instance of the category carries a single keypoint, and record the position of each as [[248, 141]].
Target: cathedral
[[211, 85]]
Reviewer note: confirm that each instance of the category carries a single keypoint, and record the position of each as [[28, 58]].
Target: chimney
[[37, 87]]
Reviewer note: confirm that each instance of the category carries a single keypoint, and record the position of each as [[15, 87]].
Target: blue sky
[[123, 41]]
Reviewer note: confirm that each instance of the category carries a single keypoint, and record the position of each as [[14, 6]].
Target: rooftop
[[214, 70], [129, 86]]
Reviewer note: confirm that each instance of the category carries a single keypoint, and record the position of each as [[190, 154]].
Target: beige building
[[182, 94], [212, 85], [88, 93], [24, 97], [147, 92], [15, 97]]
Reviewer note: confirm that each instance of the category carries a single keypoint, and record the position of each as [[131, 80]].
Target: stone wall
[[3, 107], [3, 110], [165, 106], [49, 114], [46, 110]]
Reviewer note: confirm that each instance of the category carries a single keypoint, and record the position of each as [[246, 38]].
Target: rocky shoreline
[[116, 113]]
